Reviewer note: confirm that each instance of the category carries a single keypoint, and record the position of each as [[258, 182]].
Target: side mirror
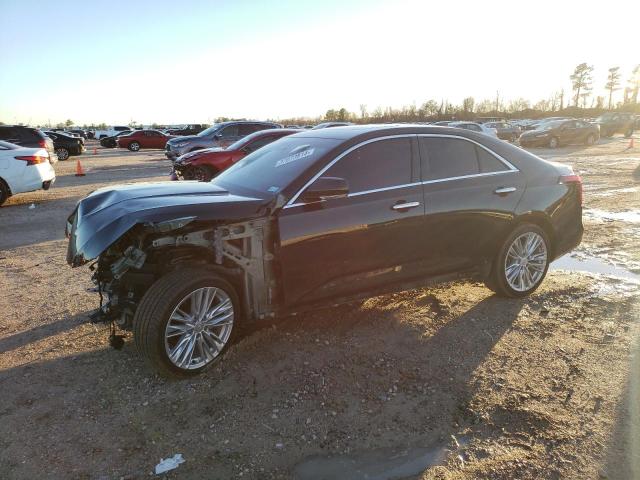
[[217, 136], [325, 188]]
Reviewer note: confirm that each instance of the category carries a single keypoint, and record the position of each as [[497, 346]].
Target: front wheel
[[134, 146], [202, 173], [522, 262], [185, 321]]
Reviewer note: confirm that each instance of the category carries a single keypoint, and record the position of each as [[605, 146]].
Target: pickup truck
[[110, 132]]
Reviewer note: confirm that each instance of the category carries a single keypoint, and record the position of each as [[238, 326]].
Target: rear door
[[229, 135], [470, 196], [371, 238]]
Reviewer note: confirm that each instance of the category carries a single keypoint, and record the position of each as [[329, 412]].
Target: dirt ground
[[451, 381]]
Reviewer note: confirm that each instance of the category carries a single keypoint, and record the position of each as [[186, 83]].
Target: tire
[[628, 133], [134, 146], [202, 173], [591, 139], [158, 306], [62, 153], [5, 192], [498, 281], [554, 142]]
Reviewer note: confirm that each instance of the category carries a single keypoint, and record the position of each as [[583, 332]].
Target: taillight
[[565, 179], [33, 159], [42, 143]]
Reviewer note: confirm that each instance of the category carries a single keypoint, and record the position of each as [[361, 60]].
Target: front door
[[371, 238]]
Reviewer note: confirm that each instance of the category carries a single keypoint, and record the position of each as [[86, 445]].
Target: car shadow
[[338, 363], [25, 337], [622, 460]]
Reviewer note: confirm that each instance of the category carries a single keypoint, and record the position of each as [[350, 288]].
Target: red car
[[205, 164], [143, 139]]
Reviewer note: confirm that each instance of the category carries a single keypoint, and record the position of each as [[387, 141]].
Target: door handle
[[405, 206], [504, 190]]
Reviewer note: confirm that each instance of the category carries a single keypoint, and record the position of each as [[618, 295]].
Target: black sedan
[[112, 142], [317, 218], [555, 133], [66, 145]]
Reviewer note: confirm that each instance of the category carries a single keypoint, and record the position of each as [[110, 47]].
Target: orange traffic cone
[[95, 151], [79, 169]]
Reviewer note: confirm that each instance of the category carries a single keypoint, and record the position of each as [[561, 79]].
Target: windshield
[[273, 167], [209, 130]]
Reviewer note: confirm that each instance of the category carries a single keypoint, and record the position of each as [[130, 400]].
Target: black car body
[[66, 145], [555, 133], [28, 137], [616, 122], [81, 133], [317, 218], [112, 142]]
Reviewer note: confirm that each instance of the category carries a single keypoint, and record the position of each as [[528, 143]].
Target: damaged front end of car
[[154, 244]]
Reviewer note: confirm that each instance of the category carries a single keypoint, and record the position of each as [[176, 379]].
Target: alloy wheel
[[526, 261], [199, 328], [62, 153]]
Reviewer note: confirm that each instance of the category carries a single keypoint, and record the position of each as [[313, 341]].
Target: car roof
[[357, 132]]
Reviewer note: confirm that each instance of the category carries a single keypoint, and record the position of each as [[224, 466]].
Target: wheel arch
[[541, 220]]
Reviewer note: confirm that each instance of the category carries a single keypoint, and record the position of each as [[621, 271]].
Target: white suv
[[23, 170]]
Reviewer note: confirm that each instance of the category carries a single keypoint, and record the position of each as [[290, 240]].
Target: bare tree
[[363, 110], [634, 85], [613, 82], [581, 81], [467, 104]]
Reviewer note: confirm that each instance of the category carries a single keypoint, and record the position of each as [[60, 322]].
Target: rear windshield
[[270, 169]]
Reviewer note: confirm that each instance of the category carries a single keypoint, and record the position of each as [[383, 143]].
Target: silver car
[[217, 135]]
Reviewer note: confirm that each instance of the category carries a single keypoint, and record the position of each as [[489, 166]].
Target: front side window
[[230, 131], [380, 164]]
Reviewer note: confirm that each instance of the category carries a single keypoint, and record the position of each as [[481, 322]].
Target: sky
[[190, 61]]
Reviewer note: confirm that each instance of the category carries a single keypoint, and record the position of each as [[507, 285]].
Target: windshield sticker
[[273, 189], [294, 157]]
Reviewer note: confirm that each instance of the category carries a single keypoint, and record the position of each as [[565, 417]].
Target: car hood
[[188, 157], [106, 214]]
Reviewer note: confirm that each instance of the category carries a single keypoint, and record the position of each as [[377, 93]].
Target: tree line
[[581, 103]]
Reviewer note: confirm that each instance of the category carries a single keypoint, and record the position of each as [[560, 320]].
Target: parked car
[[475, 127], [76, 131], [504, 130], [23, 169], [192, 129], [143, 139], [555, 133], [112, 142], [66, 145], [205, 164], [28, 137], [217, 135], [110, 132], [320, 126], [318, 218], [616, 122]]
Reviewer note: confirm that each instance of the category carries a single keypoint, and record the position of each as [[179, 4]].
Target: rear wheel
[[134, 146], [521, 263], [62, 153], [186, 321], [5, 193]]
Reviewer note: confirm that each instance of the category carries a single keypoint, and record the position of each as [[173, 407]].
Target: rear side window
[[230, 131], [381, 164], [453, 157]]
